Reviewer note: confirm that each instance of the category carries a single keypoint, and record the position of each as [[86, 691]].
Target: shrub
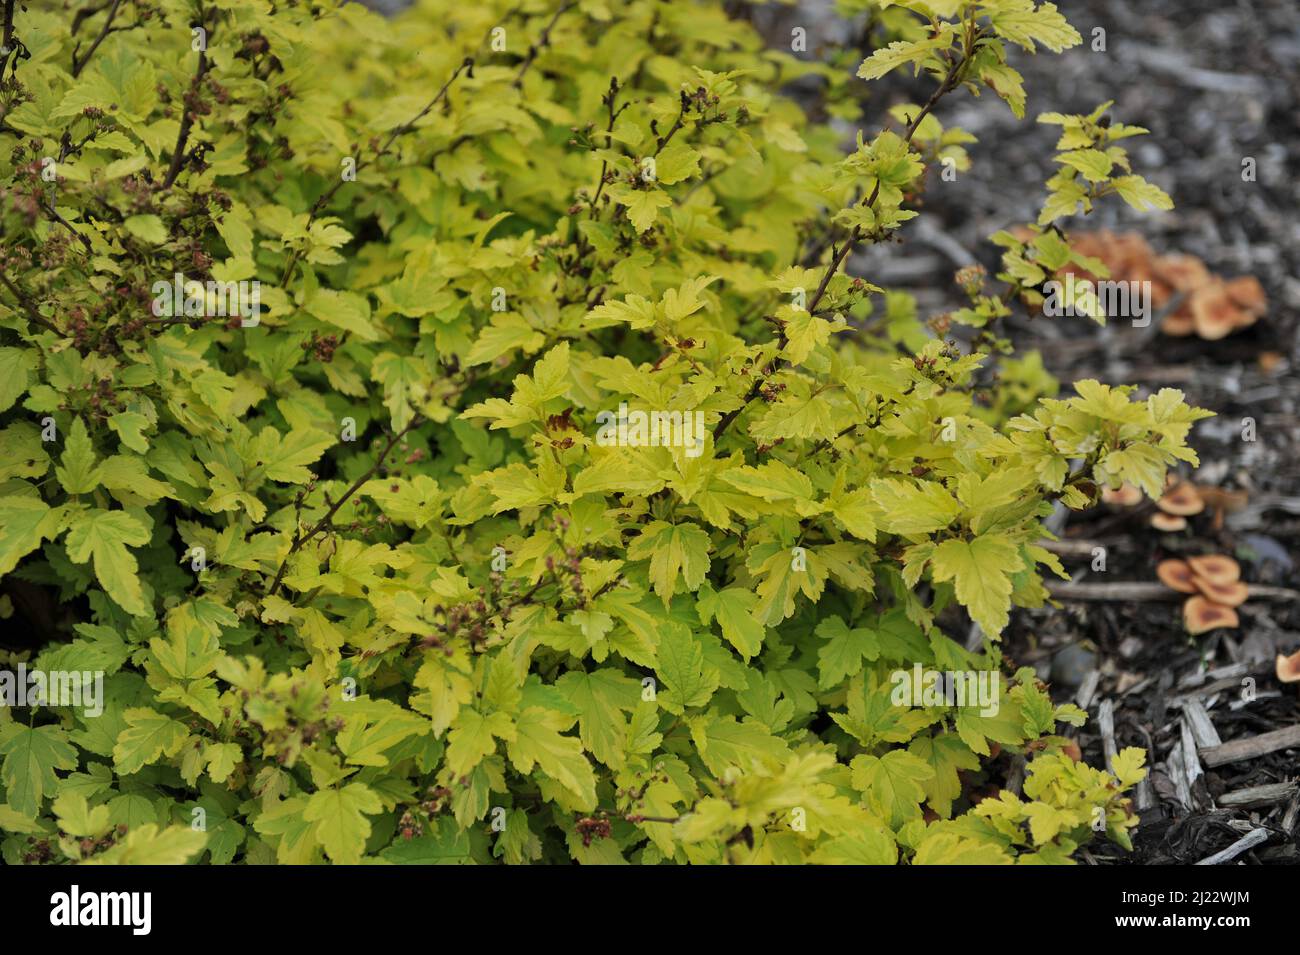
[[548, 490]]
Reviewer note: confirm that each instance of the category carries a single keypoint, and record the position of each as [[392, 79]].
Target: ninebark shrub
[[461, 439]]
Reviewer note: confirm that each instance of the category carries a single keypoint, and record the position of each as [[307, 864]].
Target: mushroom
[[1215, 568], [1227, 595], [1126, 495], [1201, 616], [1214, 312], [1176, 574], [1168, 522], [1223, 502], [1248, 294], [1177, 324], [1181, 499], [1288, 668], [1185, 273], [1129, 254], [1091, 244]]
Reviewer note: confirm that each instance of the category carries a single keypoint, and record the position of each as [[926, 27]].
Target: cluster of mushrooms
[[1209, 306], [1181, 500], [1216, 588]]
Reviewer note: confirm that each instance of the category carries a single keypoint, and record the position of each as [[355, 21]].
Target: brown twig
[[300, 539], [53, 213], [542, 42], [79, 65], [950, 82], [8, 45], [1142, 591], [323, 200], [34, 316], [187, 123]]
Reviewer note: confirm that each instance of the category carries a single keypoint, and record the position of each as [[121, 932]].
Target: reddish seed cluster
[[322, 347], [591, 829], [971, 279], [90, 847], [410, 826], [39, 852]]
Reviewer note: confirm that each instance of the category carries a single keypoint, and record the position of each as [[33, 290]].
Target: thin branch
[[542, 42], [53, 213], [187, 123], [79, 65], [950, 82], [1143, 591], [319, 205], [28, 306], [300, 539]]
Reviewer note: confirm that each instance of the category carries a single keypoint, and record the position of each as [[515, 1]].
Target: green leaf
[[340, 817], [947, 755], [538, 743], [602, 697], [472, 738], [148, 736], [675, 551], [733, 609], [1140, 194], [24, 523], [842, 655], [981, 570], [689, 681], [1094, 164], [150, 845], [77, 472], [14, 375], [724, 742], [892, 783], [897, 54], [104, 536], [1020, 22], [913, 508], [677, 161], [149, 228], [31, 755]]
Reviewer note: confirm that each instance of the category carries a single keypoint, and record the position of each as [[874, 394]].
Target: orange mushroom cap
[[1220, 500], [1126, 495], [1215, 568], [1227, 595], [1288, 668], [1176, 574], [1144, 271], [1246, 291], [1214, 312], [1091, 244], [1181, 499], [1186, 273], [1201, 615], [1168, 522], [1129, 257], [1177, 324]]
